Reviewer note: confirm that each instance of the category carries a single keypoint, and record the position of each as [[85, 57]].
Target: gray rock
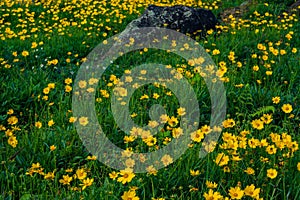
[[187, 20]]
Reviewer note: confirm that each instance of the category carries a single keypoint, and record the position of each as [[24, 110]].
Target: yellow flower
[[194, 173], [12, 120], [222, 159], [81, 173], [82, 84], [10, 112], [166, 160], [239, 64], [69, 170], [145, 96], [113, 175], [49, 176], [229, 123], [197, 136], [149, 140], [46, 90], [91, 158], [126, 176], [255, 68], [177, 132], [251, 191], [267, 118], [236, 193], [272, 173], [287, 108], [151, 170], [269, 73], [72, 119], [68, 81], [25, 53], [181, 111], [298, 166], [129, 163], [211, 185], [38, 124], [66, 180], [211, 195], [249, 171], [271, 149], [83, 121], [51, 85], [216, 52], [153, 124], [257, 124], [164, 118], [173, 121], [129, 195], [265, 57], [51, 122], [155, 96], [68, 88], [52, 147], [276, 100], [12, 141], [86, 183]]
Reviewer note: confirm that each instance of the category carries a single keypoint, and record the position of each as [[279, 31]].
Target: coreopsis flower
[[194, 172], [229, 123], [151, 170], [211, 185], [66, 180], [68, 88], [251, 191], [173, 121], [130, 195], [72, 119], [49, 176], [91, 157], [249, 171], [12, 120], [177, 132], [52, 147], [83, 121], [12, 141], [197, 136], [86, 183], [68, 81], [236, 193], [81, 173], [267, 118], [82, 84], [126, 175], [51, 123], [276, 100], [181, 111], [222, 159], [271, 149], [211, 195], [272, 173], [166, 160], [113, 175], [38, 124], [25, 53], [257, 124], [287, 108]]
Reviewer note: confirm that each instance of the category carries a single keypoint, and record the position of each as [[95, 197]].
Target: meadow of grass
[[43, 44]]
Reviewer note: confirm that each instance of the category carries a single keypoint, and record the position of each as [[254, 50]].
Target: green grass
[[249, 96]]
